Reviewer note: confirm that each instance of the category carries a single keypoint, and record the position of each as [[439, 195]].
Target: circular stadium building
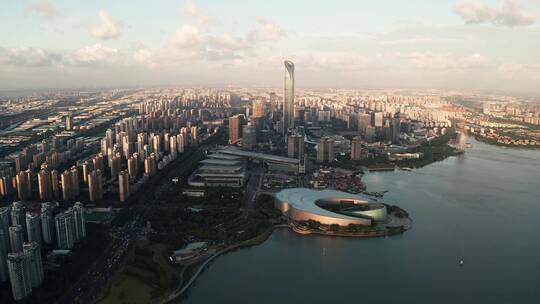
[[329, 207]]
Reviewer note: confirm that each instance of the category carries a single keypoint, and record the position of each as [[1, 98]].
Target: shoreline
[[501, 145], [260, 239]]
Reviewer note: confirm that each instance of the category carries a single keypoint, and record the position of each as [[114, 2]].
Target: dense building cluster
[[26, 234]]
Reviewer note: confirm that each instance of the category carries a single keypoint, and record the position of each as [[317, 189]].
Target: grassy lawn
[[128, 289], [144, 279]]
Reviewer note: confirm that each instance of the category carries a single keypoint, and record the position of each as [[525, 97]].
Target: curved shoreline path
[[254, 241]]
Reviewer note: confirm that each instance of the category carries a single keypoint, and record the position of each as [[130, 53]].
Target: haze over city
[[467, 44]]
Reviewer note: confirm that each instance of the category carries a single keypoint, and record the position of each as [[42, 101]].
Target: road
[[252, 188]]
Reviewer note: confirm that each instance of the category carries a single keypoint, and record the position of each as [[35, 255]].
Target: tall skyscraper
[[21, 286], [32, 254], [288, 97], [33, 228]]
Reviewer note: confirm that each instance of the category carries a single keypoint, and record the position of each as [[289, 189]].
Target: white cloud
[[107, 28], [94, 54], [509, 13], [29, 57], [44, 9], [266, 31]]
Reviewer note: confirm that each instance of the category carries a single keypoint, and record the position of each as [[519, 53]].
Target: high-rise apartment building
[[4, 250], [67, 185], [69, 122], [21, 286], [95, 186], [249, 136], [356, 148], [235, 128], [16, 238], [47, 223], [364, 121], [258, 108], [55, 184], [24, 185], [75, 181], [325, 150], [65, 229], [44, 185], [78, 218], [32, 254], [295, 146], [33, 228], [18, 215], [123, 186]]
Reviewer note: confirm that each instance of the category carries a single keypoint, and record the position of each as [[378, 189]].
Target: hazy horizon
[[487, 45]]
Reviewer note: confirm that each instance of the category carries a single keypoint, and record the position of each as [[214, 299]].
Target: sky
[[488, 45]]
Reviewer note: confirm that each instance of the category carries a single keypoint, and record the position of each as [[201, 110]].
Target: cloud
[[44, 9], [29, 57], [197, 43], [95, 54], [508, 14], [266, 31], [107, 28]]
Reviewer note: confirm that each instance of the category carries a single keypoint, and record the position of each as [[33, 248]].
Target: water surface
[[482, 207]]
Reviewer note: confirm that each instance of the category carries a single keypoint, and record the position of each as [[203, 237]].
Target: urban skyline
[[148, 150], [465, 44]]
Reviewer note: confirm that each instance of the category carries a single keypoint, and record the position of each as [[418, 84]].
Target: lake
[[482, 207]]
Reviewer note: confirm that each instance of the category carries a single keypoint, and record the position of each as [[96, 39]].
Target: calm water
[[483, 206]]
